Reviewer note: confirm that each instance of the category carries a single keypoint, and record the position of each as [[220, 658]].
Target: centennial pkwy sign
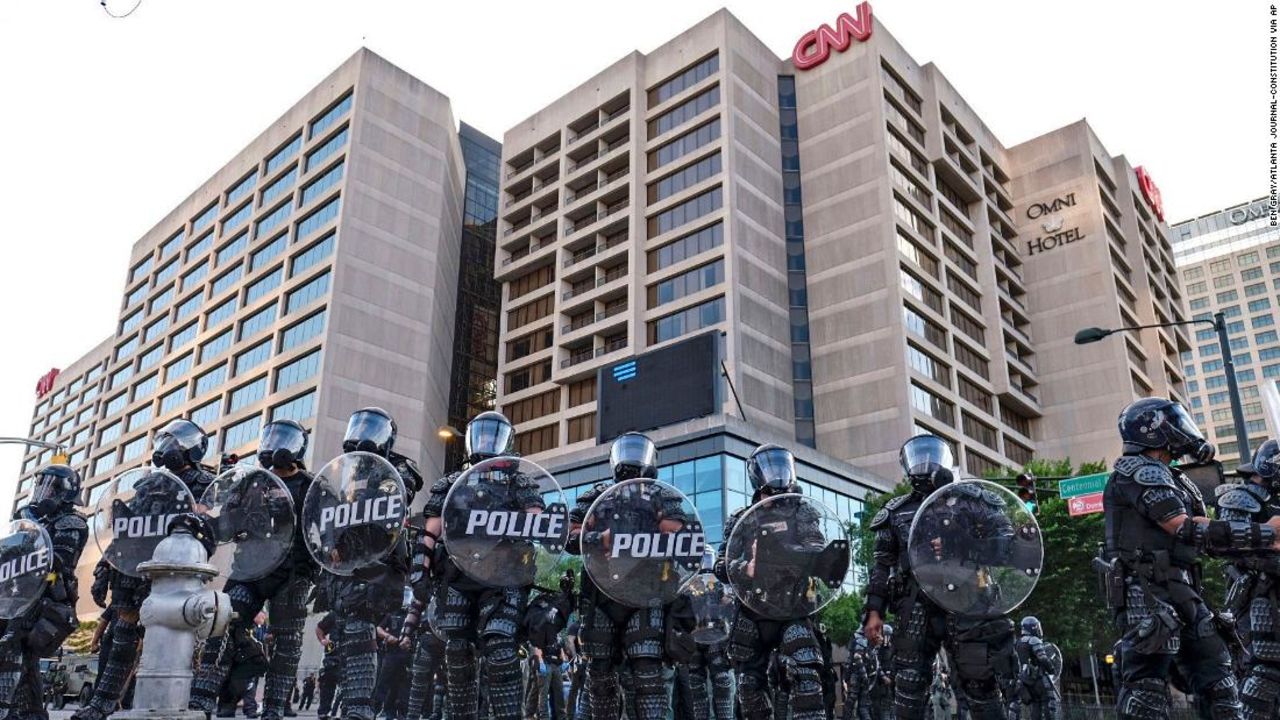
[[45, 384], [1150, 191], [1083, 494], [815, 46]]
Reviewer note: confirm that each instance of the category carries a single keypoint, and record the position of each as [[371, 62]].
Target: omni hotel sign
[[1051, 222], [814, 47]]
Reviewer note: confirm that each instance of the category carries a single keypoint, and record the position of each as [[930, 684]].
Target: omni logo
[[815, 46]]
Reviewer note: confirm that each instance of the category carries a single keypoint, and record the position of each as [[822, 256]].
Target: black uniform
[[980, 649], [42, 629], [127, 596], [1036, 687], [613, 634], [392, 691], [476, 618], [286, 591], [859, 675], [720, 669], [426, 669], [544, 621], [755, 638], [1155, 590], [330, 669]]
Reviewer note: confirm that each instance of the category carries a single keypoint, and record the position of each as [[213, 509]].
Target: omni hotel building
[[874, 262], [705, 242]]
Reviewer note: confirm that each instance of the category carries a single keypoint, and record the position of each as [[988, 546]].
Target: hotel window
[[932, 405], [178, 368], [242, 188], [298, 409], [684, 112], [925, 328], [132, 321], [537, 440], [205, 217], [322, 184], [207, 414], [248, 394], [686, 283], [686, 247], [686, 212], [240, 434], [273, 219], [303, 331], [200, 247], [1269, 353], [582, 392], [908, 247], [312, 255], [687, 177], [183, 336], [127, 348], [1265, 337], [1255, 289], [162, 300], [582, 428], [319, 217], [138, 418], [227, 280], [104, 463], [1251, 274], [1194, 273], [195, 275], [688, 78], [120, 376], [927, 365], [325, 151], [166, 272], [221, 313], [1228, 296], [973, 361], [1259, 305], [237, 218], [253, 357], [306, 294], [1263, 321], [1210, 349], [962, 261], [685, 144], [968, 325], [1211, 365], [232, 249], [110, 432], [1196, 288], [900, 121], [686, 321], [151, 357], [910, 186], [912, 219], [1218, 266], [976, 395], [1224, 281], [979, 431], [917, 289], [136, 296], [211, 380], [1247, 259], [172, 399], [304, 368], [263, 255], [170, 246], [917, 161], [264, 285], [257, 322], [281, 156], [330, 116], [215, 347], [279, 186]]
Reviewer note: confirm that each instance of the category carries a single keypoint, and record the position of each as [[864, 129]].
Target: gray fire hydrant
[[178, 613]]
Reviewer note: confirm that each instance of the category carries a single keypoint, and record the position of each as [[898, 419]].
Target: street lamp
[[448, 432], [1219, 323]]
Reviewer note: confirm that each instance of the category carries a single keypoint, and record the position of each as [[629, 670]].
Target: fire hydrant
[[178, 613]]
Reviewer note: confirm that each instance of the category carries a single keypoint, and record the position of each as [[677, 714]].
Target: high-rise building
[[870, 252], [1230, 263], [319, 271]]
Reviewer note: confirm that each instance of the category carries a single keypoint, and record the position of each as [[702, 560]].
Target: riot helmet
[[633, 455], [179, 444], [927, 461], [1159, 424], [1031, 626], [1265, 464], [370, 430], [489, 435], [771, 469], [55, 486], [283, 444]]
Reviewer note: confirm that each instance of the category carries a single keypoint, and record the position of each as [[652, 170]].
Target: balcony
[[577, 358], [590, 319], [574, 226]]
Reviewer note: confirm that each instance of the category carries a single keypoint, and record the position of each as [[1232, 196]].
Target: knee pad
[[912, 682], [1145, 699], [1224, 701], [800, 644]]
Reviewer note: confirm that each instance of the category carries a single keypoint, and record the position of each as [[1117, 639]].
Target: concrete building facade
[[854, 229], [1230, 263], [315, 273]]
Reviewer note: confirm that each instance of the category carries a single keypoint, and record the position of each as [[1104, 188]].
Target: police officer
[[361, 600], [330, 668], [613, 636], [475, 618], [281, 448], [179, 447], [1255, 588], [544, 620], [859, 675], [1156, 530], [772, 471], [880, 693], [426, 667], [1038, 673], [720, 668], [978, 647], [42, 629]]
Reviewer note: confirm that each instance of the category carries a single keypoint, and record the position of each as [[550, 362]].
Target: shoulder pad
[[1237, 498], [1154, 475], [443, 484], [881, 520], [993, 499], [1130, 465], [71, 521], [897, 502], [1032, 640]]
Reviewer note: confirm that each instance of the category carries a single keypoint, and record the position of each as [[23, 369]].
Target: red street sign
[[1150, 191], [45, 384], [815, 46], [1085, 504]]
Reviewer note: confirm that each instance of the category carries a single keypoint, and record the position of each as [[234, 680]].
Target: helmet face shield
[[489, 435], [368, 431], [185, 433], [1182, 421], [925, 455], [283, 436], [633, 455], [773, 468]]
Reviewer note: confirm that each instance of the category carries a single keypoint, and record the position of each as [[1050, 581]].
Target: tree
[[842, 617]]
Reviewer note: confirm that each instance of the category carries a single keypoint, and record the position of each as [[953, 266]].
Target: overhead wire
[[106, 9]]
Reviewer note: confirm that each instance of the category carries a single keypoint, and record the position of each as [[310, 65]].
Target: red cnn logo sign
[[45, 384], [1150, 192], [815, 46]]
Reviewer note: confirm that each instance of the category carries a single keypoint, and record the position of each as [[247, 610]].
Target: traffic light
[[1027, 491]]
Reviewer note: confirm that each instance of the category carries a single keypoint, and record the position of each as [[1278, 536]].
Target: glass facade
[[797, 284]]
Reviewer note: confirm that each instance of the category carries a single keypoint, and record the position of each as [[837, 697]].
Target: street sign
[[1083, 485], [1085, 504]]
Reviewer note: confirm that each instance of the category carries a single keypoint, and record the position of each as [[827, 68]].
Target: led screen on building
[[675, 383]]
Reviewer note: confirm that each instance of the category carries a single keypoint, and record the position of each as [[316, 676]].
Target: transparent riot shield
[[642, 540], [354, 512], [784, 557], [505, 521], [711, 602], [254, 519], [26, 559], [975, 549], [1055, 658], [133, 516]]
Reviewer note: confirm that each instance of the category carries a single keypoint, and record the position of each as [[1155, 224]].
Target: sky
[[110, 123]]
